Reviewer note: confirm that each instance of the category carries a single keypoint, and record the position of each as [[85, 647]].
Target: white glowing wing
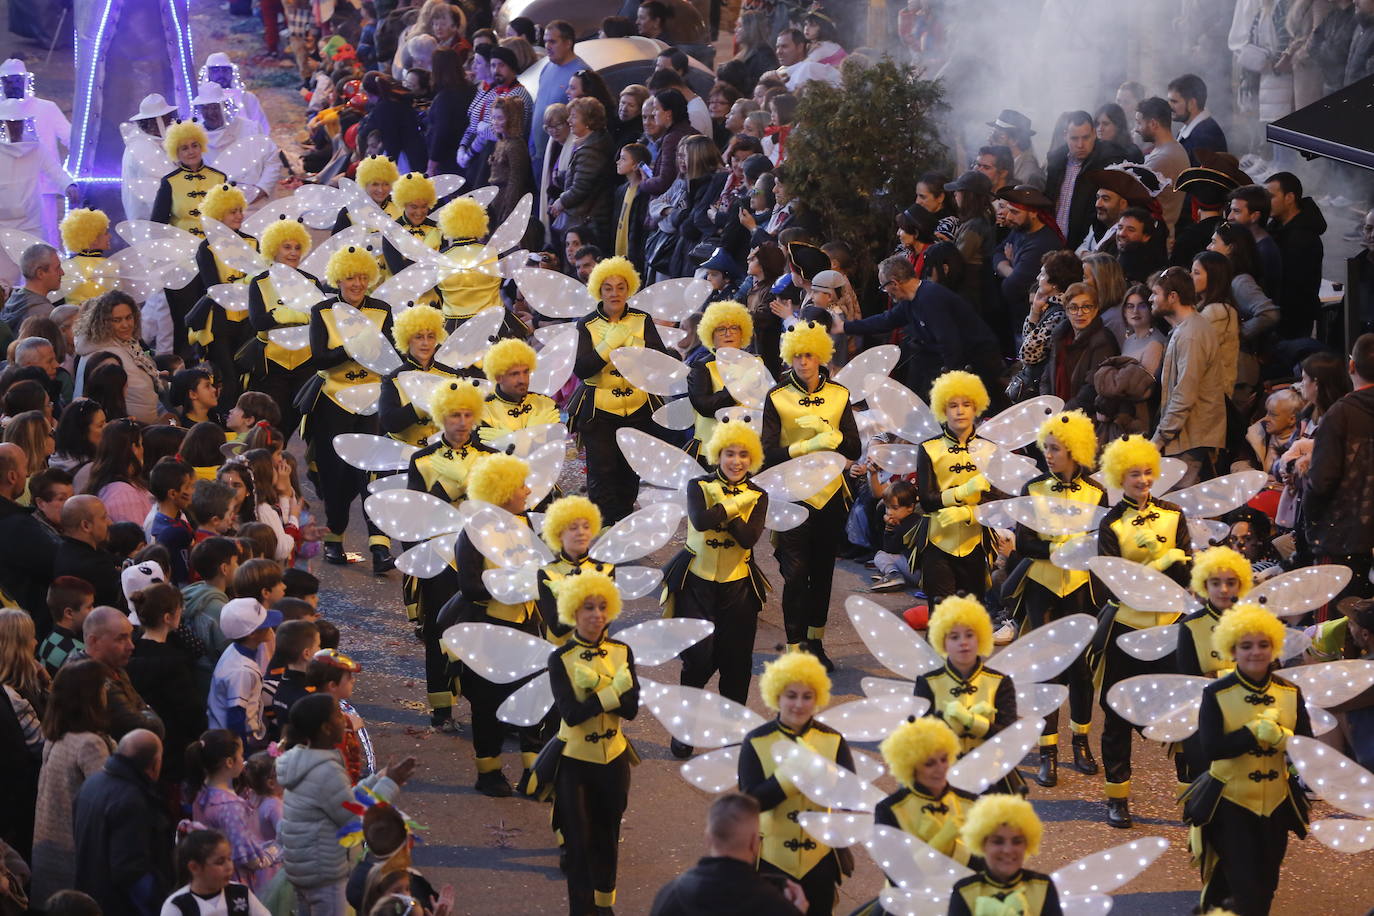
[[499, 654], [410, 284], [355, 236], [14, 242], [884, 686], [243, 158], [1142, 699], [178, 242], [1046, 651], [1332, 683], [1343, 834], [303, 200], [1111, 869], [293, 289], [744, 376], [698, 717], [1321, 720], [1075, 552], [1051, 515], [363, 341], [912, 864], [917, 900], [895, 645], [895, 459], [874, 718], [1342, 782], [419, 387], [408, 515], [867, 766], [670, 336], [1295, 643], [1018, 425], [124, 270], [524, 442], [657, 642], [472, 339], [1039, 700], [676, 414], [292, 337], [714, 772], [672, 300], [552, 294], [1175, 725], [446, 185], [639, 534], [1220, 494], [367, 452], [992, 515], [801, 478], [879, 360], [1142, 587], [506, 540], [903, 412], [651, 371], [507, 235], [1008, 471], [410, 247], [837, 829], [232, 297], [363, 209], [484, 195], [389, 482], [231, 249], [362, 400], [783, 515], [637, 581], [555, 362], [1294, 593], [528, 705], [512, 586], [1150, 644], [822, 780], [657, 462], [546, 464], [996, 757], [1206, 532], [428, 558]]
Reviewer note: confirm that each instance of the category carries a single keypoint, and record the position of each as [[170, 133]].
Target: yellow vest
[[979, 687], [275, 352], [1160, 519], [533, 409], [716, 557], [705, 425], [1257, 781], [923, 816], [953, 465], [1028, 890], [600, 739], [508, 613], [90, 265], [554, 573], [468, 291], [614, 394], [1061, 582], [188, 193], [793, 402], [1201, 626], [785, 844], [348, 373], [444, 468]]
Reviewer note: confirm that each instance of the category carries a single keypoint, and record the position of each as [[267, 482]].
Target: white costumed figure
[[50, 126], [144, 161], [223, 71], [218, 113], [24, 166]]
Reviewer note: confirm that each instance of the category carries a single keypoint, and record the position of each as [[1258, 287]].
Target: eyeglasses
[[1080, 309], [886, 283]]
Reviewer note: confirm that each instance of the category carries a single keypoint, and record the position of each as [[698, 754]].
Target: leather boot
[[1083, 759], [334, 553], [382, 560], [1119, 812], [679, 750], [815, 648], [1048, 774]]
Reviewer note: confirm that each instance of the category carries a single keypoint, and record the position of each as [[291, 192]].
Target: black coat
[[721, 886], [1084, 192], [635, 229], [1206, 135], [26, 564], [446, 121], [587, 185], [400, 128], [1085, 353], [123, 840], [163, 674], [1300, 241], [98, 567], [1339, 502]]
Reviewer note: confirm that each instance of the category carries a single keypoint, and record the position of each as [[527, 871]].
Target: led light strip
[[77, 153], [184, 49]]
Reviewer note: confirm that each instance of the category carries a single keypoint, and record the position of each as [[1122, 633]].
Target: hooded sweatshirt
[[24, 167], [1300, 242]]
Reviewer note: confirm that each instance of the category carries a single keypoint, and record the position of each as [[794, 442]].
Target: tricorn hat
[[1025, 196]]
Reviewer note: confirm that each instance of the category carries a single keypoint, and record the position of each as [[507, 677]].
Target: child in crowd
[[260, 580], [236, 687], [262, 540], [205, 862], [899, 519], [302, 584], [213, 763], [214, 561], [284, 683], [234, 474], [331, 672], [252, 407], [69, 601], [388, 843], [329, 634], [124, 540], [172, 483], [297, 609], [210, 505], [263, 792]]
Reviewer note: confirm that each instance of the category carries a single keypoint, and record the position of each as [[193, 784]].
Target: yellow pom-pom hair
[[807, 337], [414, 320], [720, 314], [562, 513], [455, 396], [1121, 455], [413, 187], [505, 355], [612, 267], [81, 228], [463, 218], [573, 592], [1075, 432], [183, 132], [376, 168], [956, 611], [958, 384], [220, 199], [352, 261], [495, 478], [913, 743], [1214, 560], [282, 230], [735, 432], [794, 668], [1244, 620], [993, 811]]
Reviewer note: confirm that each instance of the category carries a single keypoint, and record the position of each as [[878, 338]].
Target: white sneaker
[[1005, 634]]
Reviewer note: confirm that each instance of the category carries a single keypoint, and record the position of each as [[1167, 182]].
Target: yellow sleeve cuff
[[947, 498], [609, 698]]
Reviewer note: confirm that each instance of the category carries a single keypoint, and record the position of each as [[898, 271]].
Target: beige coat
[[66, 764], [1192, 390]]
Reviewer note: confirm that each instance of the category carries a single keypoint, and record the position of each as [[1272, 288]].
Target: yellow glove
[[1014, 905], [829, 438], [969, 488], [284, 314], [736, 506], [489, 434], [617, 335], [813, 423], [585, 676], [944, 839], [984, 709], [1170, 557], [1268, 732], [623, 680], [1144, 540], [957, 713], [950, 516]]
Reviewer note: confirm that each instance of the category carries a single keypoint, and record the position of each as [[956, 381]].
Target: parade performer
[[143, 135], [219, 332], [1004, 830], [466, 291], [274, 369], [86, 236], [723, 324], [512, 405]]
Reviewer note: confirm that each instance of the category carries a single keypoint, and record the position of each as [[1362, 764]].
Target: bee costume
[[1026, 893], [503, 412], [219, 333], [705, 388]]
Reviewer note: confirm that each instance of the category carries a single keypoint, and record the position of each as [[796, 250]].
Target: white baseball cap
[[242, 617]]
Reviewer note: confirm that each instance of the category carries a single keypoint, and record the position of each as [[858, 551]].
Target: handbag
[[1252, 58]]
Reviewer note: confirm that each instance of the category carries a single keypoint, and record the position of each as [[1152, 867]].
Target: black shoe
[[1119, 813], [1048, 774], [334, 553], [679, 750], [382, 560], [815, 648], [420, 631], [1083, 759], [562, 860], [494, 784]]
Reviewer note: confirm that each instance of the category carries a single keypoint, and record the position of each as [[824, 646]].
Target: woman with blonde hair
[[510, 160], [112, 323], [32, 432], [1103, 274], [438, 19]]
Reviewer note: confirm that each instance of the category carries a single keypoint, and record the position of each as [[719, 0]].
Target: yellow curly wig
[[794, 668], [350, 262], [460, 394], [612, 267], [913, 743], [735, 433], [282, 230], [724, 313], [495, 478], [414, 320], [807, 337], [1075, 432], [1213, 560], [183, 132], [573, 591], [463, 218], [81, 227], [220, 199], [1121, 455], [1242, 620], [958, 384], [376, 168], [413, 187], [505, 354], [958, 611], [992, 811], [562, 513]]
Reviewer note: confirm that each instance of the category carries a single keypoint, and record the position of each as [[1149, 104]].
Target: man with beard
[[1167, 157], [1117, 188]]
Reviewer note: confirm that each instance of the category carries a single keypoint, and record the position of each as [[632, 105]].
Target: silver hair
[[28, 346], [34, 258]]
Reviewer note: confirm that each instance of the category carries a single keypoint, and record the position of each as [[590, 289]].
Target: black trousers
[[1249, 852], [179, 302], [489, 732], [338, 482], [734, 608], [611, 483], [589, 801], [806, 562], [229, 337], [281, 385], [1040, 606], [440, 682], [819, 884], [943, 574], [1116, 666]]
